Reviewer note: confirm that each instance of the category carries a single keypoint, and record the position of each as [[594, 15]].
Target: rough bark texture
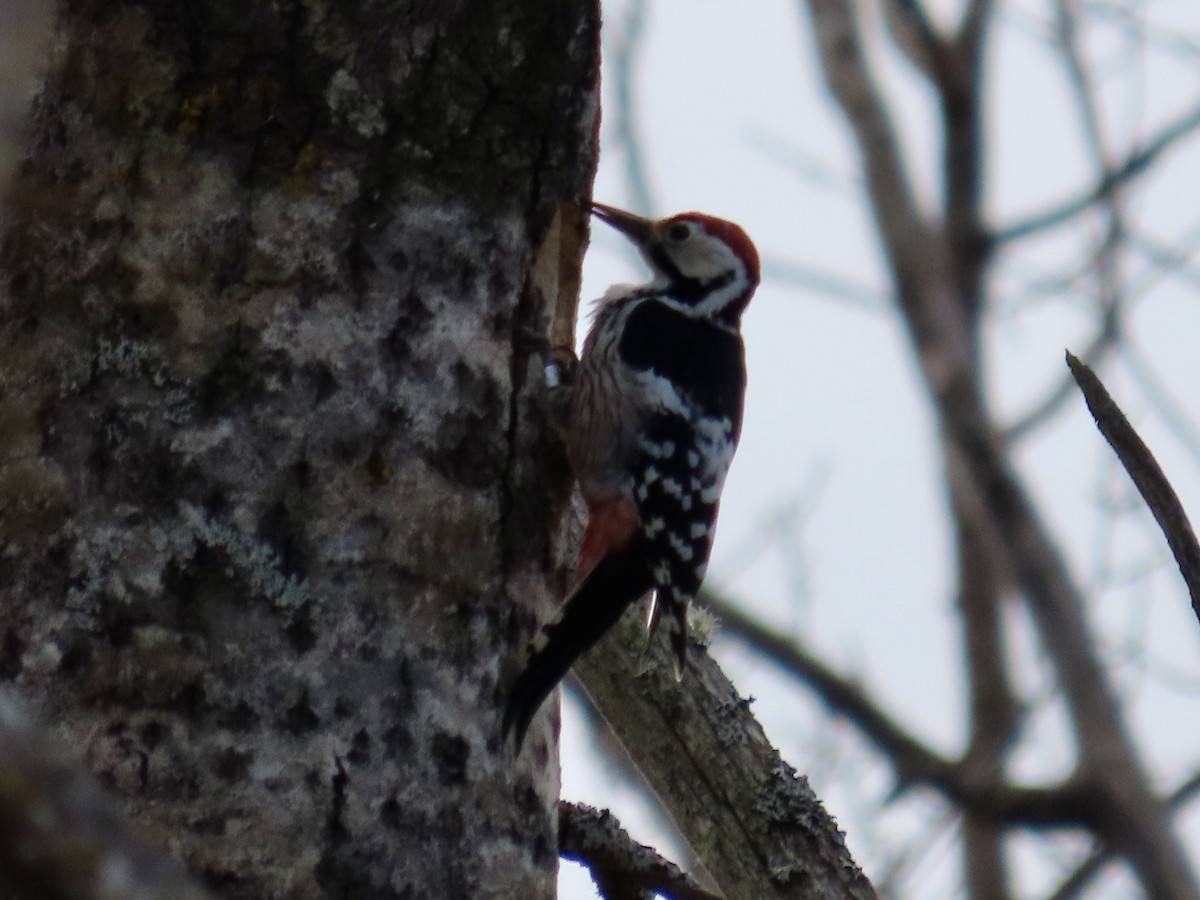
[[755, 825], [273, 466]]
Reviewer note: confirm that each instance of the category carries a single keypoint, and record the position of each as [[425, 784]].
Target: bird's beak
[[637, 229]]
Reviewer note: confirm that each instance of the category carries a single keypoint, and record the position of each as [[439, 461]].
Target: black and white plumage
[[655, 419]]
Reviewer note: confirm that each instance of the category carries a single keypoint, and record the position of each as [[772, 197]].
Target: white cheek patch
[[706, 259]]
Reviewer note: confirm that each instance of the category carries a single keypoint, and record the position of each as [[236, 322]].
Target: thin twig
[[935, 297], [1105, 262], [1134, 165], [911, 759], [1079, 880], [828, 284], [1159, 395], [1146, 473], [624, 54], [1098, 347]]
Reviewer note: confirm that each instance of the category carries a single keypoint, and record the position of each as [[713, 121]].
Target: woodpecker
[[655, 418]]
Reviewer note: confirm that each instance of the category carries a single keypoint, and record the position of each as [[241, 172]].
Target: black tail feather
[[588, 613]]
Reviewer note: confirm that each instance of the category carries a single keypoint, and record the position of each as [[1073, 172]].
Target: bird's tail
[[615, 583]]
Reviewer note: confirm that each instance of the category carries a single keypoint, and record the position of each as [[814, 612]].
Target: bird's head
[[704, 262]]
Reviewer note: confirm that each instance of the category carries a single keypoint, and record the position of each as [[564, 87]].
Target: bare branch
[[913, 762], [914, 249], [932, 279], [621, 867], [974, 24], [1159, 395], [959, 84], [1080, 880], [62, 837], [1135, 165], [829, 284], [1105, 261], [995, 711], [1166, 261], [913, 34], [1146, 473], [1082, 877], [847, 76], [1100, 345], [1124, 803], [918, 846], [805, 166], [1067, 30], [757, 826], [623, 57]]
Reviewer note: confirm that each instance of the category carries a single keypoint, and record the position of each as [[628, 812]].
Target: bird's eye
[[679, 232]]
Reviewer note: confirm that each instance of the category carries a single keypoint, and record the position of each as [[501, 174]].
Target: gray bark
[[277, 494], [755, 824]]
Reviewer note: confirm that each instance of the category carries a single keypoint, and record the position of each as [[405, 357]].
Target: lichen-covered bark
[[750, 819], [276, 494]]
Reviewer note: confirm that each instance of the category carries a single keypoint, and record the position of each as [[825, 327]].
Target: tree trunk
[[274, 456]]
